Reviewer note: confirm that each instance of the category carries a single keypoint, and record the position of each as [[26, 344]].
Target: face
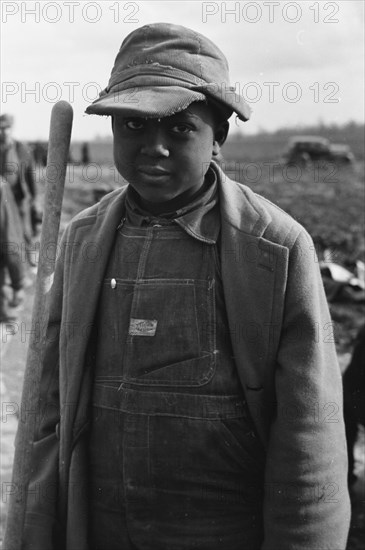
[[162, 158]]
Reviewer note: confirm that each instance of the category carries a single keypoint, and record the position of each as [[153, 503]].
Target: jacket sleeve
[[41, 525], [306, 504]]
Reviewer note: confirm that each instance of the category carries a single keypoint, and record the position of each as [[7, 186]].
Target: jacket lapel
[[89, 246], [254, 275]]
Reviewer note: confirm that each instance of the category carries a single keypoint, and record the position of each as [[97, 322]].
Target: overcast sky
[[296, 63]]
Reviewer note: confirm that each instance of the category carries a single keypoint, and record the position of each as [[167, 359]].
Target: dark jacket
[[18, 161], [285, 358], [11, 237]]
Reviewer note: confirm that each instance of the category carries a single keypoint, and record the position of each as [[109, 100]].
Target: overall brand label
[[142, 327]]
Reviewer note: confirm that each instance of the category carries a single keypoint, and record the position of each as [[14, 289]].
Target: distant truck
[[304, 150]]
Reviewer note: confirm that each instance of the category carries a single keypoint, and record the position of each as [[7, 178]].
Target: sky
[[296, 63]]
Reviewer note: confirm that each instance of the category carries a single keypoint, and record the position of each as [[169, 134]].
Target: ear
[[220, 136]]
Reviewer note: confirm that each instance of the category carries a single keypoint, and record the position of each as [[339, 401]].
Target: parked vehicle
[[305, 150]]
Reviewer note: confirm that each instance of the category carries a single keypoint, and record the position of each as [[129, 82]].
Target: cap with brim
[[155, 101], [161, 69]]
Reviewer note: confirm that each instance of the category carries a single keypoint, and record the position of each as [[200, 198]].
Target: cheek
[[122, 158], [205, 144], [195, 166], [200, 155]]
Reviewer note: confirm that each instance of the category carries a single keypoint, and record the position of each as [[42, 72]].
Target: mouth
[[156, 171]]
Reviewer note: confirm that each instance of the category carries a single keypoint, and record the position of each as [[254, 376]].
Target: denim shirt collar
[[200, 218]]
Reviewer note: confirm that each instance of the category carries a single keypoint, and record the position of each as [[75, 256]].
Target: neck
[[174, 204]]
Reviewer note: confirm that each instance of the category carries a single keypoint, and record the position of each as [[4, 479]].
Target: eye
[[182, 128], [134, 124]]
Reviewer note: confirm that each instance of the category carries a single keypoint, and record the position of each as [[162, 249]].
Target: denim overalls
[[174, 460]]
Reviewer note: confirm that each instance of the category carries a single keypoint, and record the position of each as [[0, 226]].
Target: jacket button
[[113, 283]]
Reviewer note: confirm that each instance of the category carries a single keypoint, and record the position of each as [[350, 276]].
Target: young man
[[188, 397]]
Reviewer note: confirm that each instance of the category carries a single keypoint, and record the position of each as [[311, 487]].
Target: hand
[[18, 298]]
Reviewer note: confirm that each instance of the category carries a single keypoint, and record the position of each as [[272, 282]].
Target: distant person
[[16, 166], [11, 261], [354, 398], [85, 155], [185, 382]]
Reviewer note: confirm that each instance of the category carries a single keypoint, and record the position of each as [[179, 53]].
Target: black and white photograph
[[182, 270]]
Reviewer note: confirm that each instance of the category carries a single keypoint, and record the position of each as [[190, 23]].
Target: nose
[[155, 143]]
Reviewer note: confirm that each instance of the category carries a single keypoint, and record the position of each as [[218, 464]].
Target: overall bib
[[174, 459]]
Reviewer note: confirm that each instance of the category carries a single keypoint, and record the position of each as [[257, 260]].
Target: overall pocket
[[171, 335]]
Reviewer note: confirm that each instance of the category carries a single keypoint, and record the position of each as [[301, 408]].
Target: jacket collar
[[199, 217], [253, 218]]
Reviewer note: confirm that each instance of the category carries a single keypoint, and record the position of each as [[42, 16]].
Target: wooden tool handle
[[58, 150]]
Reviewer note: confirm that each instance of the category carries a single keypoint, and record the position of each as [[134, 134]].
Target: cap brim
[[151, 102], [162, 101], [227, 97]]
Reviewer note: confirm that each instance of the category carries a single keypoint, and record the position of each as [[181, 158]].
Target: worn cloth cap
[[161, 69], [6, 121]]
